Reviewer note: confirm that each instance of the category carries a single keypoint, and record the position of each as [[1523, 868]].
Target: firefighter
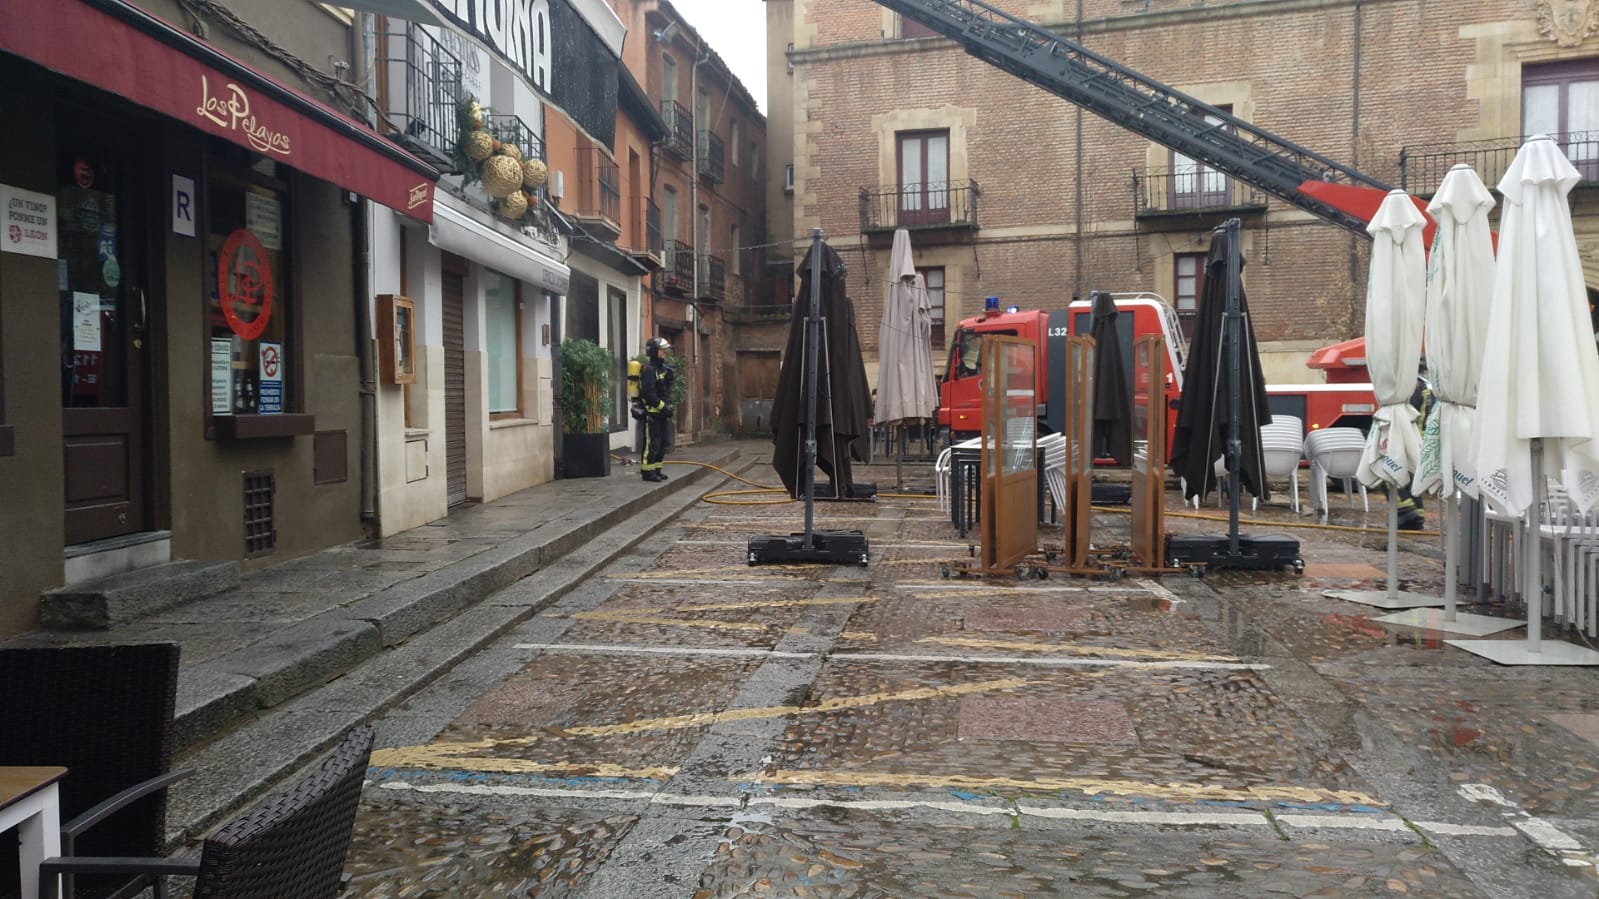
[[655, 385]]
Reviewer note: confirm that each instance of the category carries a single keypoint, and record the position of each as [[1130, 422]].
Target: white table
[[30, 801]]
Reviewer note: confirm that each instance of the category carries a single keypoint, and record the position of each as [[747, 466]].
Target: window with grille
[[260, 526], [1190, 280], [935, 298]]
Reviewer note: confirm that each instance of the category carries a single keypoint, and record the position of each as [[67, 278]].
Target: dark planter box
[[586, 455]]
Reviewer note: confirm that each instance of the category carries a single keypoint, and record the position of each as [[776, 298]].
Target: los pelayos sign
[[517, 30], [231, 110]]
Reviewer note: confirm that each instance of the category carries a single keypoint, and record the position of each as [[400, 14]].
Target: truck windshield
[[971, 353]]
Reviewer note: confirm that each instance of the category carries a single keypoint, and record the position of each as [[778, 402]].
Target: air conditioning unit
[[557, 185], [788, 178]]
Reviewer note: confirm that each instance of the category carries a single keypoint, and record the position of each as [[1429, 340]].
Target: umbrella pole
[[898, 449], [1451, 523], [1234, 339], [1534, 553], [1393, 541], [813, 324]]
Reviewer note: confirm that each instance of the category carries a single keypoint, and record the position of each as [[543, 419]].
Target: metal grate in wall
[[260, 529]]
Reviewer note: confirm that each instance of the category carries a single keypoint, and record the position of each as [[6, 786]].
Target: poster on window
[[262, 217], [269, 399], [221, 375], [85, 322]]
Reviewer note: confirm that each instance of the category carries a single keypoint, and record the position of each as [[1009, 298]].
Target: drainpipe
[[694, 204], [1354, 142], [361, 243]]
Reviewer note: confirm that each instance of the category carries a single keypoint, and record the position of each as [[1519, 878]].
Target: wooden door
[[105, 322], [454, 290]]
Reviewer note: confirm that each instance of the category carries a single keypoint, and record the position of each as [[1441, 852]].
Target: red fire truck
[[1141, 313]]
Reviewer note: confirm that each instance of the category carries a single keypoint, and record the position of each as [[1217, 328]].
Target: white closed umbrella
[[1542, 382], [905, 387], [1538, 401], [1460, 276], [1396, 297]]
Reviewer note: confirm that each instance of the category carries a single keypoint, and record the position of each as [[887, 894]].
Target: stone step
[[119, 598]]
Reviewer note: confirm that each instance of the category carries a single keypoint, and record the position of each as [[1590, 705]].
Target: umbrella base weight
[[860, 491], [1267, 553], [828, 547]]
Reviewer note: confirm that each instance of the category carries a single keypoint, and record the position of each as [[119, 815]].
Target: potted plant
[[585, 408]]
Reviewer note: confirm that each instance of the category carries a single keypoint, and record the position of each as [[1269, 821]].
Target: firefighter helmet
[[655, 347]]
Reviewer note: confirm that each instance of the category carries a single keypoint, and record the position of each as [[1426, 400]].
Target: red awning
[[120, 48]]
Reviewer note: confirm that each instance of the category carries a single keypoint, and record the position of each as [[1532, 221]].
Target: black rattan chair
[[292, 846], [105, 713]]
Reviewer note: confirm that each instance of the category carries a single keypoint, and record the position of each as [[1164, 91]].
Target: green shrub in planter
[[585, 387], [585, 408]]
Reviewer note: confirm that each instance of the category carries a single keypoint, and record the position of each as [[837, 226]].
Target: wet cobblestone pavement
[[688, 725]]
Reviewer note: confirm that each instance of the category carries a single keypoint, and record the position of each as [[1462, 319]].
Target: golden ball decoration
[[534, 173], [511, 150], [502, 175], [479, 145], [514, 206]]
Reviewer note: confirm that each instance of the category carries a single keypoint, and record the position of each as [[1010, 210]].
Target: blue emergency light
[[991, 304]]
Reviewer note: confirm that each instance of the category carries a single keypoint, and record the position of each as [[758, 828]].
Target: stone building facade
[[1043, 201]]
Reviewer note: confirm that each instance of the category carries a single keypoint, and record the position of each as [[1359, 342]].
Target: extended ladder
[[1140, 104]]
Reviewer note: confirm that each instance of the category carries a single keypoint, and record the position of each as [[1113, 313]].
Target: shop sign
[[269, 386], [221, 375], [29, 226], [244, 284], [518, 31], [231, 110], [182, 205]]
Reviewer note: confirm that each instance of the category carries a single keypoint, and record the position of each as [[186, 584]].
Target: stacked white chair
[[1334, 453], [1053, 446], [941, 469], [1282, 445]]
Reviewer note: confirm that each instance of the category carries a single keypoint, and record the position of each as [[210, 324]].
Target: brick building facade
[[1044, 201]]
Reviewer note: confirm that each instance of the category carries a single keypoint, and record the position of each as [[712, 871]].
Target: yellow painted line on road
[[1074, 649], [1087, 785], [631, 618], [409, 757], [858, 635], [453, 755]]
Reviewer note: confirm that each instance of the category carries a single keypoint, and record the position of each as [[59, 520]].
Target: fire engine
[[1140, 313]]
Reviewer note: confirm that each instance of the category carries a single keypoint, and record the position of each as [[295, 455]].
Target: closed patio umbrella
[[905, 388], [1396, 296], [1538, 400]]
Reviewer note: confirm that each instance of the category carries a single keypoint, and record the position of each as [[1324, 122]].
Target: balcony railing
[[1164, 192], [678, 271], [510, 129], [421, 87], [679, 129], [713, 277], [933, 205], [1422, 167], [712, 157], [598, 197]]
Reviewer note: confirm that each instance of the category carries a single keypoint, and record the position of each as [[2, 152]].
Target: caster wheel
[[1299, 566], [1042, 572], [946, 572], [1021, 572], [971, 551]]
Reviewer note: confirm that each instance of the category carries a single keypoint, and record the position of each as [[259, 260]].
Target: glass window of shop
[[251, 345], [504, 319]]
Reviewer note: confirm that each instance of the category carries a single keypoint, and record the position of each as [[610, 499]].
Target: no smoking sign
[[271, 361]]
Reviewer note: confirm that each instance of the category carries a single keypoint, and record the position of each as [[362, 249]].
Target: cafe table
[[31, 802]]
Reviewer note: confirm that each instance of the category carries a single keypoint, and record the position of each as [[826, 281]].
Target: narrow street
[[686, 725]]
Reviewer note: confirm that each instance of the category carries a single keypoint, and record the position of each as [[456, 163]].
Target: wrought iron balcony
[[713, 277], [510, 129], [644, 231], [597, 201], [920, 206], [420, 89], [679, 129], [712, 159], [677, 273], [1192, 191], [1422, 167]]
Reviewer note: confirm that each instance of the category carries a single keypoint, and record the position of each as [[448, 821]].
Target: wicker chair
[[105, 713], [292, 846]]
